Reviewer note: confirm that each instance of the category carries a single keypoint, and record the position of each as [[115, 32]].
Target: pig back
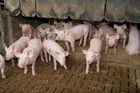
[[22, 42], [43, 26], [95, 44], [106, 30], [52, 47], [79, 30], [35, 44]]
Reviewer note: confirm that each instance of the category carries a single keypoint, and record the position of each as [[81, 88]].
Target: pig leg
[[65, 66], [124, 43], [115, 48], [106, 50], [98, 62], [90, 34], [2, 73], [13, 63], [80, 41], [46, 57], [85, 40], [41, 54], [72, 45], [25, 70], [55, 64], [87, 67], [49, 57], [33, 69], [67, 45]]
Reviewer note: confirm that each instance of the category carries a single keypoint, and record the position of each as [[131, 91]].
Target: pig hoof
[[65, 67], [55, 69], [86, 72], [34, 74], [97, 70], [3, 77]]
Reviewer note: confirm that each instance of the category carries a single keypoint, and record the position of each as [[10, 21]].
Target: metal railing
[[2, 6]]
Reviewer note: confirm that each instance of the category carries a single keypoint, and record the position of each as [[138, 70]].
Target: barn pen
[[119, 72]]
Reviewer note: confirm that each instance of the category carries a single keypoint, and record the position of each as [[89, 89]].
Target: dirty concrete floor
[[119, 73]]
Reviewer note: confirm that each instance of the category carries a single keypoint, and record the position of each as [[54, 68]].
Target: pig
[[112, 40], [56, 51], [30, 31], [49, 32], [78, 32], [30, 55], [43, 26], [121, 31], [2, 66], [17, 47], [93, 54], [133, 46]]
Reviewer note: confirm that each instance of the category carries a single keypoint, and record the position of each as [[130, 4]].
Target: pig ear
[[55, 22], [115, 26], [66, 53], [124, 26], [107, 36], [62, 22], [20, 25], [14, 48], [84, 52], [30, 53], [17, 54], [117, 36]]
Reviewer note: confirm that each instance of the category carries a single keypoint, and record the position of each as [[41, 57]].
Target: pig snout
[[89, 62], [110, 45], [6, 58], [20, 66]]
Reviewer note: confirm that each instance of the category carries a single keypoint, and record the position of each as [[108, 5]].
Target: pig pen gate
[[113, 77]]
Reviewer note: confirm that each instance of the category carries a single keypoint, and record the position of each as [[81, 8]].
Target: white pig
[[2, 66], [121, 31], [56, 51], [93, 53], [112, 40], [49, 32], [74, 33], [17, 47], [30, 31], [133, 46], [30, 55]]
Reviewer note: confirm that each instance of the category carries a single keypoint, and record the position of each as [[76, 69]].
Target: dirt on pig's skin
[[118, 74]]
